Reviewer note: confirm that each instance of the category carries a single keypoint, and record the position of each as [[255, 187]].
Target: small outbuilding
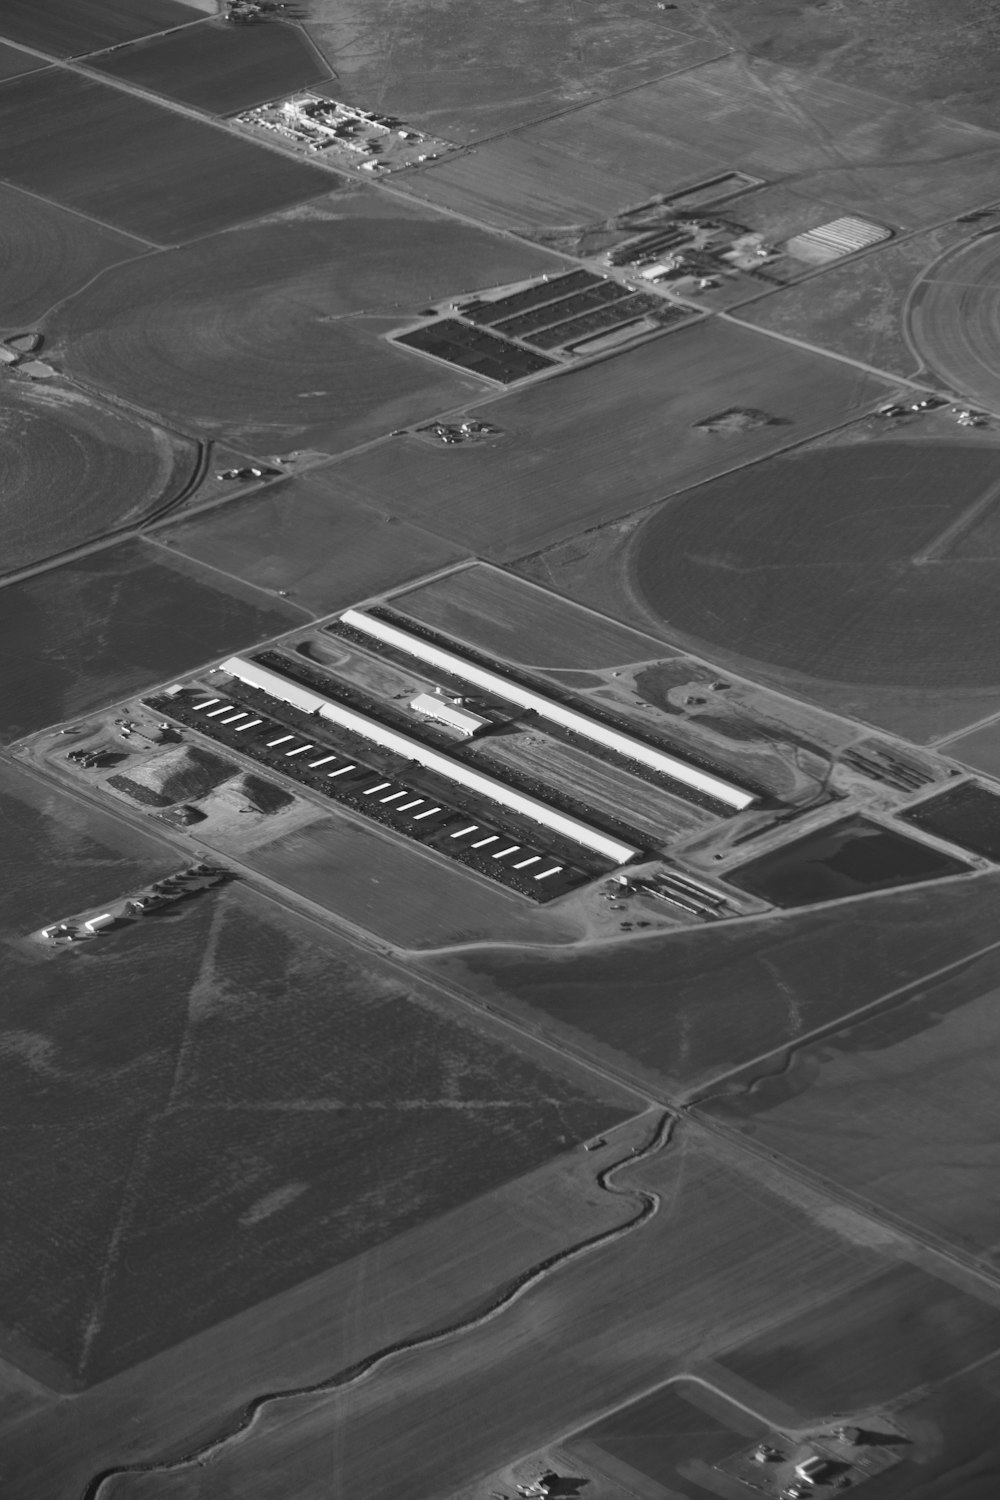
[[447, 711]]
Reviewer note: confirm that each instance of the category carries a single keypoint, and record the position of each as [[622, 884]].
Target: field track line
[[939, 546], [787, 1050], [152, 541], [240, 1423], [78, 213]]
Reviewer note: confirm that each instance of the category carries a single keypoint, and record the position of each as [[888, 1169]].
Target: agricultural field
[[67, 28], [220, 68], [72, 469], [433, 1275], [858, 309], [72, 139], [303, 537], [497, 613], [13, 61], [604, 440], [600, 1331], [952, 319], [899, 1110], [128, 617], [124, 1241], [967, 815], [836, 144], [767, 559], [406, 897], [516, 62], [979, 748], [272, 336], [696, 1005], [46, 254]]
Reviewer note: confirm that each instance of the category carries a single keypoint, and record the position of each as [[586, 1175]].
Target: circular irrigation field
[[954, 320], [71, 470], [877, 563]]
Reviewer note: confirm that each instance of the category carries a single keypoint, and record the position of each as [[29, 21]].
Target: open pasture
[[68, 28], [498, 613], [849, 574], [404, 896], [220, 68], [601, 441], [289, 1105], [954, 322], [271, 335], [900, 1110], [46, 254], [836, 144], [74, 140], [980, 749], [721, 1260], [516, 62], [680, 1010], [303, 537], [72, 469], [91, 631]]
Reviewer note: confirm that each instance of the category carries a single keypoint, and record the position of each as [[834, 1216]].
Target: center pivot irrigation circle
[[876, 563]]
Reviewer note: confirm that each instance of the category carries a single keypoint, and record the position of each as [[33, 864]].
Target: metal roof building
[[447, 712], [592, 729], [285, 691]]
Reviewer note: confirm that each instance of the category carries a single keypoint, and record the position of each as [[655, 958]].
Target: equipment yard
[[500, 752]]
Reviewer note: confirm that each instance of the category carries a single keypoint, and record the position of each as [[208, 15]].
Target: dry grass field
[[122, 619], [272, 335], [680, 1010], [899, 1110], [67, 28], [303, 537], [47, 254], [836, 144], [722, 1261], [464, 69], [72, 469], [980, 749], [602, 441], [858, 309], [72, 139], [895, 47], [220, 68], [853, 574]]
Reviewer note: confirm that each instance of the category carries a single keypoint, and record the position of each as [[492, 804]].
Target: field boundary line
[[79, 213], [245, 1418], [845, 359], [153, 541], [132, 41]]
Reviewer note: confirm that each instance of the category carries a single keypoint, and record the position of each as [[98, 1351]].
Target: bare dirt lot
[[218, 67], [599, 442], [187, 180], [272, 335], [304, 537], [836, 144], [469, 68]]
